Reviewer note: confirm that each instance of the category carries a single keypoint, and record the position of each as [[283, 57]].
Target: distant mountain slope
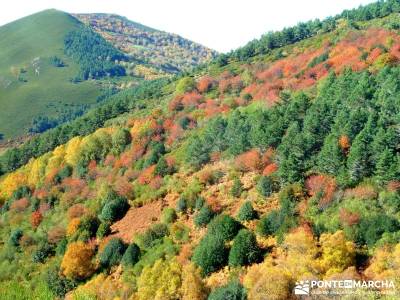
[[31, 84], [165, 51], [53, 67]]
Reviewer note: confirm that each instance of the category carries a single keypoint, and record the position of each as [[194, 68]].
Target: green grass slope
[[27, 46]]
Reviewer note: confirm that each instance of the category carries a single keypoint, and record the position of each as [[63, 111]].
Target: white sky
[[220, 24]]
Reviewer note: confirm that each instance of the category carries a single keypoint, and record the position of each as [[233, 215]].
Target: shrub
[[56, 62], [73, 226], [152, 235], [86, 228], [204, 84], [249, 161], [57, 283], [237, 188], [112, 253], [63, 173], [20, 205], [162, 167], [186, 84], [224, 226], [120, 140], [15, 237], [265, 186], [21, 192], [76, 211], [247, 212], [131, 256], [211, 254], [371, 229], [204, 216], [114, 209], [103, 230], [233, 290], [245, 250], [160, 281], [42, 252], [199, 203], [35, 203], [323, 186], [55, 234], [168, 215], [36, 219], [181, 206], [269, 224], [193, 287], [180, 232], [77, 261], [62, 246]]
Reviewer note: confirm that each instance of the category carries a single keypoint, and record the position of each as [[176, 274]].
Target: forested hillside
[[161, 51], [263, 168]]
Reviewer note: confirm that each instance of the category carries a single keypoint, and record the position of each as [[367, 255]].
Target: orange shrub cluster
[[249, 161], [156, 182], [36, 219], [20, 205], [55, 234], [43, 207], [393, 186], [73, 226], [270, 169], [344, 143], [147, 175], [228, 83], [40, 193], [123, 187], [361, 192], [204, 84], [76, 211], [321, 184], [191, 100], [348, 218]]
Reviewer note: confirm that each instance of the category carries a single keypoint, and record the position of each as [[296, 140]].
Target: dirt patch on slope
[[136, 220]]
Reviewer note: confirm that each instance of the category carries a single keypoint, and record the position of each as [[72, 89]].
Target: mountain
[[59, 68], [273, 164], [30, 85], [163, 52]]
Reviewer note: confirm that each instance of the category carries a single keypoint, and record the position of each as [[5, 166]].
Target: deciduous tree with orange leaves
[[77, 261]]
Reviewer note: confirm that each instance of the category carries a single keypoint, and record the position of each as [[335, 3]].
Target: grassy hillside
[[235, 182], [30, 85], [47, 58]]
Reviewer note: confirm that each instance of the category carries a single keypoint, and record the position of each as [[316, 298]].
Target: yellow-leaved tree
[[77, 261], [193, 287], [56, 160], [385, 264], [337, 253], [298, 253], [268, 279], [37, 169], [11, 182], [72, 151], [162, 281]]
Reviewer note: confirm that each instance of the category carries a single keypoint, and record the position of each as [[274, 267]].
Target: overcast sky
[[220, 24]]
